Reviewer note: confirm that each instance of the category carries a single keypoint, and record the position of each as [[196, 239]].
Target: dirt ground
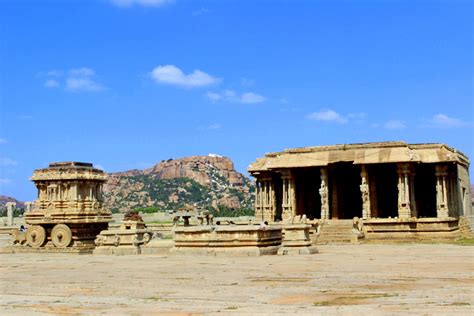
[[418, 279]]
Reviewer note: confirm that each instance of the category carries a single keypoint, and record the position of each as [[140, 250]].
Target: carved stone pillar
[[267, 203], [404, 180], [414, 207], [289, 197], [10, 206], [258, 208], [365, 192], [28, 206], [324, 194], [442, 203]]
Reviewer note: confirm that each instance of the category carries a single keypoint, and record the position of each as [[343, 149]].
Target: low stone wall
[[246, 240]]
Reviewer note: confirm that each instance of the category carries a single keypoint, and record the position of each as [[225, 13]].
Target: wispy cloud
[[232, 96], [170, 74], [214, 96], [250, 97], [210, 127], [327, 115], [82, 84], [3, 141], [51, 83], [81, 72], [394, 124], [74, 80], [443, 121], [145, 3], [7, 162], [5, 181], [25, 117], [54, 73]]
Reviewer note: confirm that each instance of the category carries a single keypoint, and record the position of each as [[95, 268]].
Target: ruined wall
[[465, 204]]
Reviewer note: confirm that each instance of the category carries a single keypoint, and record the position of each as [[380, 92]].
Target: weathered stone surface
[[402, 279]]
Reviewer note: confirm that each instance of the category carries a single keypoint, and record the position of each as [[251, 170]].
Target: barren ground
[[362, 279]]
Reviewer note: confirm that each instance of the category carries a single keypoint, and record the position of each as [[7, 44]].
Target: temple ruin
[[393, 186]]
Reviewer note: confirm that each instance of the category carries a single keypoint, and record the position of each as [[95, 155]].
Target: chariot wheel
[[61, 236], [36, 236]]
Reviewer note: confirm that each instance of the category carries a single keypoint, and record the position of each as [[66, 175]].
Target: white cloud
[[171, 74], [82, 84], [54, 73], [232, 96], [75, 80], [214, 96], [51, 83], [250, 97], [5, 161], [394, 124], [5, 181], [443, 121], [81, 72], [327, 116], [3, 141], [145, 3]]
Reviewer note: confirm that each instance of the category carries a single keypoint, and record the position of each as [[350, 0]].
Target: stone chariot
[[69, 210]]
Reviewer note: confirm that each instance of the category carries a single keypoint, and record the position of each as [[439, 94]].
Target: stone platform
[[296, 240], [47, 249], [128, 239], [411, 229], [245, 240]]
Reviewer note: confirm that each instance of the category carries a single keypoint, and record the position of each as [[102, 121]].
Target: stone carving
[[324, 194], [357, 226], [187, 212], [19, 237], [365, 194]]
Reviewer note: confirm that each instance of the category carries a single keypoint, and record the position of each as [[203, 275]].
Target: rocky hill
[[5, 199], [205, 181]]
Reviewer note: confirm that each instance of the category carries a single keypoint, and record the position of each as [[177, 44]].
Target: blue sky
[[127, 83]]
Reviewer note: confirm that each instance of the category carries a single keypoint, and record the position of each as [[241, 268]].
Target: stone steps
[[336, 232]]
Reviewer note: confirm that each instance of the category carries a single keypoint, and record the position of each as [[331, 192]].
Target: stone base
[[308, 250], [229, 251], [411, 229], [119, 251], [157, 246], [26, 249]]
